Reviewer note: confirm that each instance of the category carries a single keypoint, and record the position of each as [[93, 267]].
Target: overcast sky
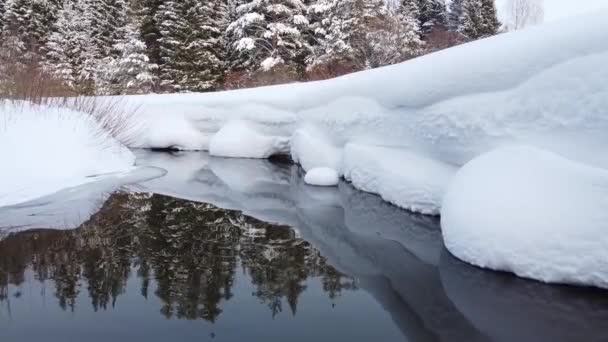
[[557, 9]]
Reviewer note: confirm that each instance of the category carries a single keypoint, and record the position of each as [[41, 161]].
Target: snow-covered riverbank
[[544, 86], [46, 149], [404, 131]]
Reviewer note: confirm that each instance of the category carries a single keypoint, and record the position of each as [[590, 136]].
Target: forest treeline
[[143, 46]]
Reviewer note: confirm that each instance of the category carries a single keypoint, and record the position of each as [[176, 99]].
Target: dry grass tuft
[[29, 83]]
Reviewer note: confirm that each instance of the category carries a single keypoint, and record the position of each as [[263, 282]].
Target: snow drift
[[46, 149], [322, 176], [530, 212], [544, 86]]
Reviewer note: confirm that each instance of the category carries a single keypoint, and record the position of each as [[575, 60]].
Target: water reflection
[[346, 239], [396, 256], [191, 251]]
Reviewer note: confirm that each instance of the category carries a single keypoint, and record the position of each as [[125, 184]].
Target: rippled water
[[233, 250]]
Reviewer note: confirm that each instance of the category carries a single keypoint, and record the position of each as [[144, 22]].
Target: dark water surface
[[242, 250]]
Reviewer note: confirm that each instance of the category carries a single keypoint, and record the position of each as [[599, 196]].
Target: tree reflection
[[187, 252]]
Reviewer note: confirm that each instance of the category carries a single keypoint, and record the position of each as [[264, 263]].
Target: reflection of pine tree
[[276, 263], [194, 257], [107, 242], [190, 250]]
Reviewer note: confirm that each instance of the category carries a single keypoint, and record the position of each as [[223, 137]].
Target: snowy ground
[[403, 131], [47, 149]]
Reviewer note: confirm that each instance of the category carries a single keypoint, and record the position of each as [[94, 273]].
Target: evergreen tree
[[149, 27], [478, 19], [70, 51], [455, 14], [431, 14], [131, 71], [269, 33], [363, 32], [2, 11], [21, 29], [233, 56], [491, 22], [336, 25], [191, 44], [107, 20]]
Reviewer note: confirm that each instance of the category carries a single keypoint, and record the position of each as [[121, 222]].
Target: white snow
[[544, 86], [401, 177], [322, 176], [312, 148], [531, 212], [242, 139], [69, 208], [46, 149]]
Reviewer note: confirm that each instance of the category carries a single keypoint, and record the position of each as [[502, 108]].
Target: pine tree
[[432, 14], [131, 71], [491, 24], [336, 25], [455, 14], [234, 58], [269, 33], [364, 33], [149, 27], [22, 31], [191, 44], [2, 11], [70, 50], [478, 19]]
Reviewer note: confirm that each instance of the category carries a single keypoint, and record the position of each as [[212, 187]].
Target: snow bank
[[241, 139], [530, 212], [403, 178], [544, 86], [313, 148], [322, 176], [47, 149]]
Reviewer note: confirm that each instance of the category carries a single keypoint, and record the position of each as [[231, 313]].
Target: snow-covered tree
[[364, 33], [149, 27], [478, 19], [390, 38], [432, 14], [2, 11], [191, 44], [107, 19], [338, 26], [268, 33], [455, 14], [70, 52], [131, 71], [22, 28]]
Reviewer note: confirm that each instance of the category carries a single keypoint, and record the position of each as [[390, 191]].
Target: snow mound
[[531, 212], [243, 139], [322, 176], [313, 148], [403, 178], [47, 149]]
